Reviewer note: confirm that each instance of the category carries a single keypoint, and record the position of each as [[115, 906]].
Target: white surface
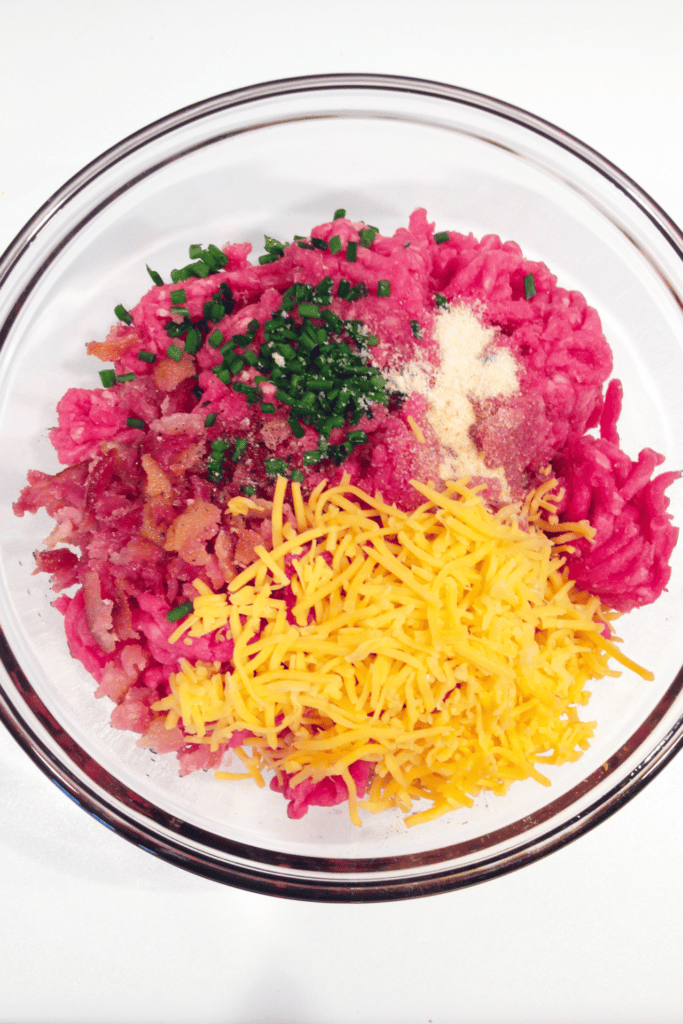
[[92, 929]]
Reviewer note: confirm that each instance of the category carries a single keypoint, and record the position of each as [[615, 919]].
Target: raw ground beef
[[138, 518]]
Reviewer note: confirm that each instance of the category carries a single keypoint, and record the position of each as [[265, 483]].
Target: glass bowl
[[278, 158]]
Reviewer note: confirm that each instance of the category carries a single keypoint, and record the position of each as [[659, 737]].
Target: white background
[[94, 930]]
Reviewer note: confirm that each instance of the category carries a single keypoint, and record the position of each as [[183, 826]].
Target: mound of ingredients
[[338, 518]]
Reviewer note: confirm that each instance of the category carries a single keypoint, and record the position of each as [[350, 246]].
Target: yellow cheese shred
[[447, 647]]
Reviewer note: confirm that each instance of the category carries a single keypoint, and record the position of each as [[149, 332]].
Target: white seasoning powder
[[470, 370]]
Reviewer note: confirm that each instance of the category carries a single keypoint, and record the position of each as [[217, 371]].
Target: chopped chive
[[304, 245], [308, 309], [335, 244], [124, 378], [211, 418], [153, 274], [351, 252], [240, 448], [276, 467], [383, 289], [311, 457], [248, 490], [359, 291], [297, 476], [267, 407], [108, 378], [367, 236], [146, 357], [416, 329], [268, 258], [173, 352], [250, 356], [319, 243], [339, 214], [440, 300], [529, 286], [193, 341], [215, 339], [178, 296], [133, 421], [123, 314], [180, 612], [441, 236], [343, 288], [296, 427]]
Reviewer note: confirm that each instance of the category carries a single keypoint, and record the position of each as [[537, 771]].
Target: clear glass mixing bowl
[[278, 158]]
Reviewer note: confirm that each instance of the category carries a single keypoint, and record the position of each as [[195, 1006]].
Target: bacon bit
[[168, 374], [179, 423], [274, 432], [98, 612], [154, 516], [122, 617], [189, 458], [247, 540], [222, 549], [158, 484], [159, 738], [189, 532], [118, 341], [115, 683]]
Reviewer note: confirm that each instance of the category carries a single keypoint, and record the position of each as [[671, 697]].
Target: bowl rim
[[263, 877]]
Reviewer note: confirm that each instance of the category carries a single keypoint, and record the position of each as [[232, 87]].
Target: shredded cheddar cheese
[[446, 646]]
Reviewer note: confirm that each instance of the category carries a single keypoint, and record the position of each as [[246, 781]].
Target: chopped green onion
[[319, 243], [123, 314], [211, 418], [248, 489], [335, 244], [416, 329], [304, 245], [311, 457], [383, 289], [351, 252], [133, 421], [250, 356], [529, 286], [268, 258], [440, 300], [343, 288], [124, 378], [108, 378], [178, 296], [367, 236], [339, 214], [441, 236], [215, 339], [153, 274], [173, 352], [146, 357], [267, 407], [180, 612], [297, 476]]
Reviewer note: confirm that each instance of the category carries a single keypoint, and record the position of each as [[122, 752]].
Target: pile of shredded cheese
[[445, 646]]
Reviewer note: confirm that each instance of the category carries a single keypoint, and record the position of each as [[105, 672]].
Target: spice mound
[[353, 517]]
